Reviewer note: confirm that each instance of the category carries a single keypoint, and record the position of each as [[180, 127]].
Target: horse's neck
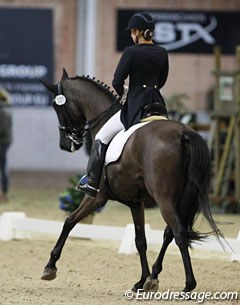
[[95, 103]]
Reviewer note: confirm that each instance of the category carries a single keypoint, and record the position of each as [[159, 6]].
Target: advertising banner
[[26, 54], [187, 31]]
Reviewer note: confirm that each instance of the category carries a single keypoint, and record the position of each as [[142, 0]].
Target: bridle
[[78, 133], [73, 132]]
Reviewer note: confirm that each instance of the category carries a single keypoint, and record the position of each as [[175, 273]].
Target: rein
[[107, 113]]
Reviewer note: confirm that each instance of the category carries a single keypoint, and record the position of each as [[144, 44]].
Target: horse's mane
[[101, 85], [105, 88]]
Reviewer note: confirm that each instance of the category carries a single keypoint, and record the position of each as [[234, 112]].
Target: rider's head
[[141, 26]]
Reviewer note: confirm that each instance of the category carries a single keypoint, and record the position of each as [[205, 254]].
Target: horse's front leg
[[88, 206], [141, 243]]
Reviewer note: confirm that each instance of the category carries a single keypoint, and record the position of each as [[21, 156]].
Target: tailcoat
[[146, 65]]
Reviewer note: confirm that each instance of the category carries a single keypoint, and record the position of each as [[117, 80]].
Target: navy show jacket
[[147, 68]]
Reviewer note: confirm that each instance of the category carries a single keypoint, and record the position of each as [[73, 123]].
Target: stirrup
[[85, 187]]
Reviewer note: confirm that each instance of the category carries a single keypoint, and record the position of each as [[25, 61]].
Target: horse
[[165, 162]]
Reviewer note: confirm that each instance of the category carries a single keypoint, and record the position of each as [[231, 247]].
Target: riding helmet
[[141, 21]]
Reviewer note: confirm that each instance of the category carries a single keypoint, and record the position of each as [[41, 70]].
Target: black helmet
[[141, 21]]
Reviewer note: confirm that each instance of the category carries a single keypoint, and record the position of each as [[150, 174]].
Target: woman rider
[[146, 65]]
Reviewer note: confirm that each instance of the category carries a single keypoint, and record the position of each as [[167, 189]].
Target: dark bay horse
[[165, 162]]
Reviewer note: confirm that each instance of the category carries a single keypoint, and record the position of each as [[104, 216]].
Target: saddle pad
[[118, 142], [154, 118]]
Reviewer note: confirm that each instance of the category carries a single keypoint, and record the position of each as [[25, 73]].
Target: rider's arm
[[164, 72], [122, 72]]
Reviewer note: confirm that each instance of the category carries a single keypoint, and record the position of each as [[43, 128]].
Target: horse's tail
[[194, 195]]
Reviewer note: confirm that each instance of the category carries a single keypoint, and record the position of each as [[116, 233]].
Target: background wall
[[189, 73], [35, 144], [35, 132], [85, 43]]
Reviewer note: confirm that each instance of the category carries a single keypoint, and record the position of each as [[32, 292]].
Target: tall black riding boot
[[90, 182]]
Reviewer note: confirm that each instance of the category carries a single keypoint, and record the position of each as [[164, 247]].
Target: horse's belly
[[125, 185]]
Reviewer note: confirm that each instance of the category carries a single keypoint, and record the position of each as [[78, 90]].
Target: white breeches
[[110, 129]]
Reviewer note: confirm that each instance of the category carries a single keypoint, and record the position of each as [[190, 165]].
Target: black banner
[[26, 54], [187, 31]]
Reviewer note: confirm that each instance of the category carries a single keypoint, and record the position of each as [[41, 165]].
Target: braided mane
[[101, 85]]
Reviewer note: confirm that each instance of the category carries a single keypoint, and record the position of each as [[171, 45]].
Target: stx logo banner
[[187, 31]]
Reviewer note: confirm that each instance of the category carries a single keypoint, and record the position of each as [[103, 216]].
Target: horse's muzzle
[[69, 146]]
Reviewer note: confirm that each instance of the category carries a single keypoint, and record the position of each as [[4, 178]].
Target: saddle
[[117, 144], [154, 109], [151, 112]]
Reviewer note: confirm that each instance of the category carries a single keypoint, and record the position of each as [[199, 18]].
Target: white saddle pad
[[118, 142]]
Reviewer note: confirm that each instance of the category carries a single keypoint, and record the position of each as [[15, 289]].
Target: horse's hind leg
[[152, 280], [182, 242], [167, 239], [141, 244], [88, 206], [181, 237]]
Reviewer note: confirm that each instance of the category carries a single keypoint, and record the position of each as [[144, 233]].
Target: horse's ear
[[65, 74], [50, 87]]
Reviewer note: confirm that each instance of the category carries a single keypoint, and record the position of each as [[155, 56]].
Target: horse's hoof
[[49, 274], [190, 287], [134, 289], [151, 285]]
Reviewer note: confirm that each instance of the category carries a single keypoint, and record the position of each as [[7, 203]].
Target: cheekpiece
[[60, 100]]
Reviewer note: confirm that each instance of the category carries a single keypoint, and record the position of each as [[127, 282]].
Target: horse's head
[[71, 120], [83, 105]]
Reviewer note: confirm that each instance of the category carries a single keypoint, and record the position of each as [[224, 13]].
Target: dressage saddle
[[154, 109]]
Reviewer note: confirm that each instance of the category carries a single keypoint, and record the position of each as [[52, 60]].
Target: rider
[[146, 64]]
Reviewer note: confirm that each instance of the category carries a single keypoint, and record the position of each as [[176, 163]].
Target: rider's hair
[[147, 34]]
